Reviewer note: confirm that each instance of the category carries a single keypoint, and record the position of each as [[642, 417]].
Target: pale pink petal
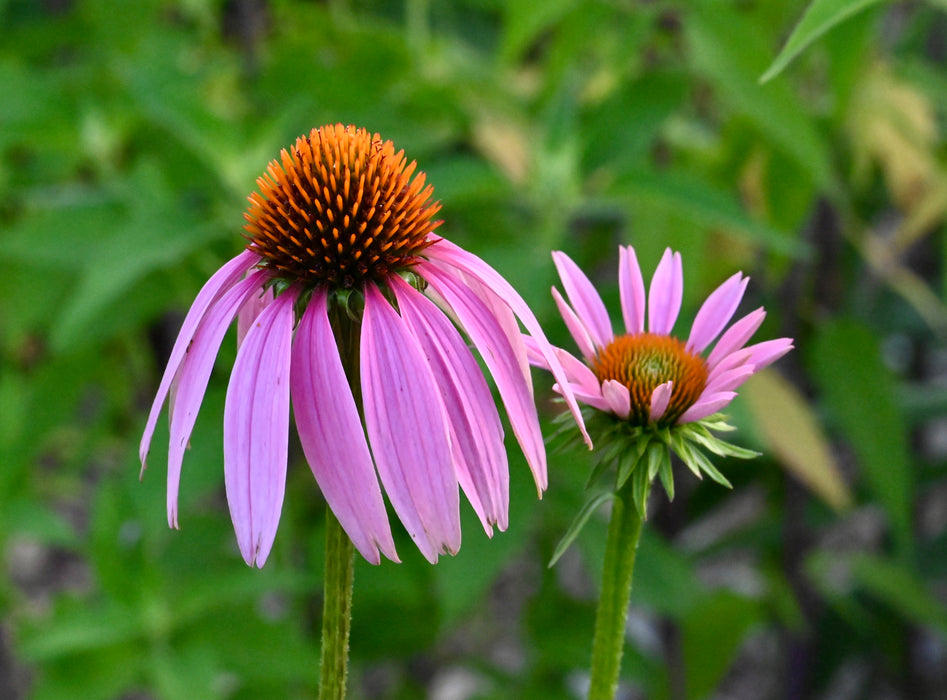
[[716, 312], [442, 251], [332, 437], [476, 431], [193, 374], [219, 282], [577, 372], [578, 330], [707, 405], [767, 352], [585, 300], [666, 293], [408, 429], [730, 379], [617, 396], [500, 356], [660, 399], [631, 288], [256, 429], [736, 336], [250, 311]]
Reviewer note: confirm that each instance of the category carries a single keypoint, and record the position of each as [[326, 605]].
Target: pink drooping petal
[[408, 429], [577, 372], [500, 356], [767, 352], [219, 282], [457, 258], [707, 405], [617, 397], [730, 379], [736, 336], [586, 301], [666, 293], [248, 313], [193, 374], [476, 431], [256, 429], [332, 437], [631, 289], [580, 333], [716, 312], [660, 399]]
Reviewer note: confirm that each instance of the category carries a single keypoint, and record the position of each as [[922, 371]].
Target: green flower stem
[[336, 610], [340, 552], [624, 531]]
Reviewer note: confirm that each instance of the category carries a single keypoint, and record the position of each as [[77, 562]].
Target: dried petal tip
[[340, 208]]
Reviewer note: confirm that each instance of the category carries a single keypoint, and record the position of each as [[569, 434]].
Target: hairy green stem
[[336, 610], [624, 531]]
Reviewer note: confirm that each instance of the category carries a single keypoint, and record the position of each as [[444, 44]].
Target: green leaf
[[898, 586], [629, 460], [790, 429], [819, 18], [641, 489], [712, 633], [705, 205], [579, 522], [860, 393], [730, 51]]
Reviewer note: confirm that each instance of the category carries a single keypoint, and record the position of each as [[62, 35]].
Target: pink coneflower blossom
[[647, 376], [351, 310]]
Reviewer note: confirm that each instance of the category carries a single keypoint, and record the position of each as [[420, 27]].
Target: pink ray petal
[[666, 293], [716, 312], [219, 282], [193, 374], [256, 429], [631, 288], [580, 333], [408, 429], [707, 405], [767, 352], [736, 336], [249, 312], [577, 372], [585, 300], [660, 399], [476, 431], [729, 380], [500, 356], [617, 397], [332, 437], [446, 253]]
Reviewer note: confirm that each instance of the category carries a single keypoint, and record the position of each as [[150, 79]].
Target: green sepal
[[591, 505], [630, 459], [667, 478], [641, 488]]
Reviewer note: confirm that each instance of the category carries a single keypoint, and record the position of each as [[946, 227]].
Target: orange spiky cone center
[[340, 208], [642, 362]]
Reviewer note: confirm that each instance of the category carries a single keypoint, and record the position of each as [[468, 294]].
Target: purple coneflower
[[349, 306], [650, 377]]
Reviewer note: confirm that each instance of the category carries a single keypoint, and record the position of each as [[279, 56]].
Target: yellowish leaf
[[791, 432]]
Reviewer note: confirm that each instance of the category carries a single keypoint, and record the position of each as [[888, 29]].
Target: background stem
[[624, 531]]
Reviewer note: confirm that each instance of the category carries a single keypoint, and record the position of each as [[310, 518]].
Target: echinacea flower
[[351, 309], [661, 392]]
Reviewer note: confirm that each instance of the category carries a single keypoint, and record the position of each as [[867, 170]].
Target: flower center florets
[[644, 361], [340, 208]]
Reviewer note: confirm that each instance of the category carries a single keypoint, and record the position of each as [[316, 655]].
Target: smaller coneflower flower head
[[351, 310], [652, 392]]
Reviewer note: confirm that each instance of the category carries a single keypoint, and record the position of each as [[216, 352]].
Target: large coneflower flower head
[[651, 392], [339, 209], [354, 313]]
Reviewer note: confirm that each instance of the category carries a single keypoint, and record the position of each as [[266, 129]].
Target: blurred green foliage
[[130, 134]]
